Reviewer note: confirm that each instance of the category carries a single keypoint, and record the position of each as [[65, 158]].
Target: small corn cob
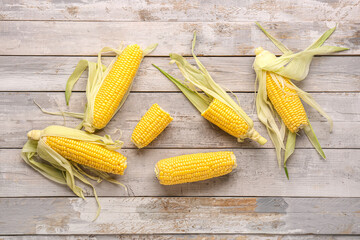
[[225, 118], [85, 153], [287, 103], [116, 85], [150, 126], [194, 167]]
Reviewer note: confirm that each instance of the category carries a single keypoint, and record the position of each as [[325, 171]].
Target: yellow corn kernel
[[194, 167], [150, 126], [88, 154], [116, 85], [287, 104], [225, 118]]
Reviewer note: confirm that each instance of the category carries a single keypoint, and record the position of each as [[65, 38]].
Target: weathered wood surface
[[41, 42], [331, 74], [214, 39], [182, 11], [19, 115], [257, 175], [137, 215], [182, 236]]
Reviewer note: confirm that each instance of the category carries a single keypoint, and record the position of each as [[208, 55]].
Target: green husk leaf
[[58, 169], [29, 151], [306, 97], [200, 103], [79, 69], [322, 39], [267, 115], [309, 131], [290, 147], [74, 77], [105, 176], [277, 43], [294, 65], [61, 113], [149, 49], [97, 72], [60, 131], [201, 79]]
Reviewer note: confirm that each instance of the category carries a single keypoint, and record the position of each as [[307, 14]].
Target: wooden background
[[40, 44]]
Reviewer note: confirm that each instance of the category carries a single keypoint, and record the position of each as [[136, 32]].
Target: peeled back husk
[[200, 78], [37, 154], [292, 66]]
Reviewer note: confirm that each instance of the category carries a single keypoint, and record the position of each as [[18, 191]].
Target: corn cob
[[287, 104], [276, 91], [214, 103], [225, 118], [65, 152], [88, 154], [107, 88], [150, 126], [194, 167], [116, 85]]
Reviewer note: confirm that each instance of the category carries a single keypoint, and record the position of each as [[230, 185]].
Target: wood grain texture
[[19, 115], [182, 11], [214, 39], [257, 174], [335, 74], [273, 215], [182, 236]]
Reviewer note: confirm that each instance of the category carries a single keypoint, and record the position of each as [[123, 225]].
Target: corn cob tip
[[139, 146], [233, 157], [34, 135], [157, 171], [258, 50]]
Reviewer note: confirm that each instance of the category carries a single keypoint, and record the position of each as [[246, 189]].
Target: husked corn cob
[[225, 118], [115, 85], [150, 126], [287, 103], [194, 167], [88, 154]]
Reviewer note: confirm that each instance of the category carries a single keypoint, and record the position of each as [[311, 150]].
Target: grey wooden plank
[[19, 114], [257, 175], [272, 215], [222, 38], [235, 73], [228, 10], [183, 236]]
